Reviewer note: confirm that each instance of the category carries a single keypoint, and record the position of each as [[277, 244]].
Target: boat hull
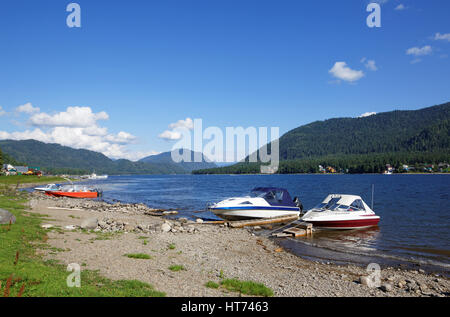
[[344, 224], [257, 213], [72, 194]]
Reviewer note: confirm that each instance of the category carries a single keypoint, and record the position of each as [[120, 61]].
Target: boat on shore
[[341, 212], [75, 192], [263, 202]]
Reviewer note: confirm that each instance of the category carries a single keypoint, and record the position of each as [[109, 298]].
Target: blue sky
[[135, 67]]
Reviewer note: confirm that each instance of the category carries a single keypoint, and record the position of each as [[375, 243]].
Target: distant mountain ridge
[[166, 157], [62, 159]]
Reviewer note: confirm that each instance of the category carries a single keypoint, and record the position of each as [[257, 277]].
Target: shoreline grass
[[138, 256], [29, 179], [247, 287], [24, 273], [176, 268], [211, 284]]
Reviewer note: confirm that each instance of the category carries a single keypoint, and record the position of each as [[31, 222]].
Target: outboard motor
[[298, 203]]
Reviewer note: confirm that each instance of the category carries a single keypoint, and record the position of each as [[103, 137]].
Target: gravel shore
[[97, 235]]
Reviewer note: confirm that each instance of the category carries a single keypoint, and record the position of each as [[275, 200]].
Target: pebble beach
[[98, 236]]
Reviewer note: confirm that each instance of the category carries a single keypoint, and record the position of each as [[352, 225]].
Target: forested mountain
[[396, 131], [62, 159], [363, 144], [166, 158]]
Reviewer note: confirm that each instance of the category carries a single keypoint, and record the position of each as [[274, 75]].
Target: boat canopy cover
[[346, 200], [275, 196]]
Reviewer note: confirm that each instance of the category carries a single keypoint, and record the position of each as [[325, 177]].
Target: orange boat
[[86, 194]]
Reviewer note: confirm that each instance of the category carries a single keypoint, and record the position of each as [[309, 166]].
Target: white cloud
[[419, 51], [170, 135], [367, 114], [444, 37], [369, 64], [121, 138], [72, 117], [341, 71], [188, 124], [400, 7], [2, 112], [77, 128], [27, 108]]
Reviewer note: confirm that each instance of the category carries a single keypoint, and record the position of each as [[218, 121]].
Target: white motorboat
[[49, 187], [95, 176], [263, 202], [341, 212]]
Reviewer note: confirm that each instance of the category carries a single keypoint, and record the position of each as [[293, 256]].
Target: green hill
[[363, 144], [396, 131], [62, 159]]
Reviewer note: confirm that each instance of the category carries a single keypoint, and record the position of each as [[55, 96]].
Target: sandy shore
[[207, 252]]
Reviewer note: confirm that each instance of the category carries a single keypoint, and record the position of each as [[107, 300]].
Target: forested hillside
[[363, 144], [56, 158]]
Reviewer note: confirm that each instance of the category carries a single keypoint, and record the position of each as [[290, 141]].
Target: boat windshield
[[258, 193], [334, 205], [269, 195]]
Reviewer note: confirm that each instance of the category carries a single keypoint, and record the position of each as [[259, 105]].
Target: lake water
[[414, 209]]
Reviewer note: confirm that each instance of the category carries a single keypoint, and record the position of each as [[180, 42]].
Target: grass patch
[[138, 256], [211, 284], [176, 268], [172, 246], [105, 235], [31, 179], [247, 287], [25, 269]]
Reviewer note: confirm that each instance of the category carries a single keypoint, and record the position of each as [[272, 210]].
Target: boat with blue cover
[[263, 202]]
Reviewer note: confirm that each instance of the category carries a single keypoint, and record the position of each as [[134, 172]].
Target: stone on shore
[[165, 227], [199, 220], [387, 287], [6, 217], [365, 280], [89, 223]]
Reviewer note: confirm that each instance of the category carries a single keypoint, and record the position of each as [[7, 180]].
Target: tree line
[[352, 164]]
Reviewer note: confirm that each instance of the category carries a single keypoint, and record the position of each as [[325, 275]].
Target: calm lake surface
[[414, 209]]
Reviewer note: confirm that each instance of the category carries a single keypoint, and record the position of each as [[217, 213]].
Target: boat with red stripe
[[341, 212]]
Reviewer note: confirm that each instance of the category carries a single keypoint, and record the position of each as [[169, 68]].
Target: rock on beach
[[89, 223], [6, 217]]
